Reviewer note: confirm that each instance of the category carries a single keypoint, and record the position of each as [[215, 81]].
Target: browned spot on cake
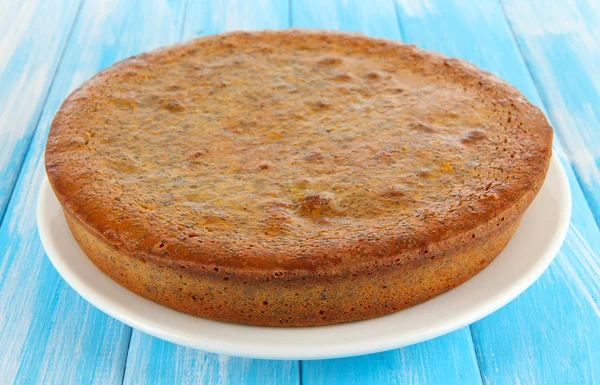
[[330, 61], [320, 104], [264, 165], [392, 191], [373, 75], [422, 127], [424, 173], [473, 136], [316, 204], [266, 49], [197, 155], [384, 156], [344, 90], [172, 105], [342, 77], [314, 157], [74, 142], [125, 101]]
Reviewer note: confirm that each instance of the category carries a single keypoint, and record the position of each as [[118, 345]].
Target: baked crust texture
[[294, 177]]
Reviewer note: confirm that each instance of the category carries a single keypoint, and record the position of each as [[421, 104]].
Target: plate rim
[[106, 304]]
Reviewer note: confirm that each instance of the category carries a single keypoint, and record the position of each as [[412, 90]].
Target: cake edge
[[305, 299]]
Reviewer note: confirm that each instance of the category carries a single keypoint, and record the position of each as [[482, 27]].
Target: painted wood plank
[[32, 37], [152, 361], [208, 17], [560, 41], [551, 333], [48, 334], [374, 18], [446, 360]]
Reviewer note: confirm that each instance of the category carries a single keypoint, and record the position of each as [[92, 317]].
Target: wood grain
[[48, 334], [560, 41], [153, 361], [208, 17], [373, 18], [32, 38], [445, 360], [551, 333]]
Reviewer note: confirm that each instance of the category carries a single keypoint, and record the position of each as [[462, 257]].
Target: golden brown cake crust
[[294, 177]]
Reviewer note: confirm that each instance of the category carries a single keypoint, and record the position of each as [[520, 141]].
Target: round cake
[[296, 177]]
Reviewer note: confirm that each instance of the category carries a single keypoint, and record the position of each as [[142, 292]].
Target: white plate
[[528, 254]]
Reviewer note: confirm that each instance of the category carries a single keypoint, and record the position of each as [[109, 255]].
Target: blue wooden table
[[549, 50]]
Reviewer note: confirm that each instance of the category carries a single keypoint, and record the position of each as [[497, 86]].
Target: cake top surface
[[293, 148]]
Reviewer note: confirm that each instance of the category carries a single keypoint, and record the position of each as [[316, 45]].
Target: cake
[[296, 177]]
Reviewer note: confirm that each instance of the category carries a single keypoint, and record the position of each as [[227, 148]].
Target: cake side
[[303, 298]]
